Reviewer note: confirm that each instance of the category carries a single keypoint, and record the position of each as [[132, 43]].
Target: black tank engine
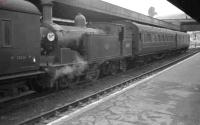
[[69, 54]]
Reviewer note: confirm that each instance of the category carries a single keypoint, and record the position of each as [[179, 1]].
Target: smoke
[[71, 71], [152, 12]]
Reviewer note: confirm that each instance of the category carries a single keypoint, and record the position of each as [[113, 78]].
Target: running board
[[21, 75]]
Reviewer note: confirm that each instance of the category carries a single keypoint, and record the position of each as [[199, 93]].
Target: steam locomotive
[[47, 55]]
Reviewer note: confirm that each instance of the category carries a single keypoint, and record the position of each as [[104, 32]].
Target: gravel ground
[[63, 97]]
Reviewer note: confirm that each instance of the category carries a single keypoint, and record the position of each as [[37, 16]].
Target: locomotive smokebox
[[47, 11]]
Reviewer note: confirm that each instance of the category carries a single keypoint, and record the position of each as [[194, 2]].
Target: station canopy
[[190, 7], [97, 10]]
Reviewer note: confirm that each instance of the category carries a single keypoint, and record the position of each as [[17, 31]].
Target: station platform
[[171, 97]]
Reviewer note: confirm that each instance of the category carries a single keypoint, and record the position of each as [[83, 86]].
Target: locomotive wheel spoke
[[62, 82]]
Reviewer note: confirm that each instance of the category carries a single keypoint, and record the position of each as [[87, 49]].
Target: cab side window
[[6, 34]]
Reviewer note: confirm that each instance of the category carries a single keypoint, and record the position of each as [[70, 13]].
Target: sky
[[162, 7]]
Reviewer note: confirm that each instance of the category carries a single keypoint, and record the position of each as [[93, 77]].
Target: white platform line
[[92, 105]]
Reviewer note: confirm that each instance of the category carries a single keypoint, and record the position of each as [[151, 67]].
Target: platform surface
[[169, 98]]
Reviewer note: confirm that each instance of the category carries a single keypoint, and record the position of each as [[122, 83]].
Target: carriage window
[[146, 37], [157, 37], [6, 33], [171, 38], [149, 37], [153, 37], [140, 36], [168, 38], [160, 37], [163, 38]]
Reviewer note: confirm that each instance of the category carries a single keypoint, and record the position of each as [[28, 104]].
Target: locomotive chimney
[[47, 11], [80, 20]]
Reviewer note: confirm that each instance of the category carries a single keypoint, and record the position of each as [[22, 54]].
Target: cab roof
[[19, 6]]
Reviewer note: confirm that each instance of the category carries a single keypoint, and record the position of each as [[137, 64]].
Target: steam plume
[[76, 69]]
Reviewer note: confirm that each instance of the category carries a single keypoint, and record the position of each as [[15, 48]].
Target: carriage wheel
[[113, 69], [123, 66]]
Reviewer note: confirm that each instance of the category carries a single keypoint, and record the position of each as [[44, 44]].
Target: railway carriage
[[19, 38], [155, 40], [147, 40], [183, 41]]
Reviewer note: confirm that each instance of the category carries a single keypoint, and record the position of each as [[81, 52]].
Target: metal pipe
[[47, 11]]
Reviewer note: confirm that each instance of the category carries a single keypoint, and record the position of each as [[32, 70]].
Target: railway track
[[22, 100], [56, 113]]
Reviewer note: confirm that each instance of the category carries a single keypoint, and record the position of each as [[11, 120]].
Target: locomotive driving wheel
[[159, 56], [40, 83], [62, 83], [65, 81], [93, 75]]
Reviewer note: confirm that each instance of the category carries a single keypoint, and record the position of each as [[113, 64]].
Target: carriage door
[[127, 42], [177, 40], [121, 39], [137, 39], [5, 46]]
